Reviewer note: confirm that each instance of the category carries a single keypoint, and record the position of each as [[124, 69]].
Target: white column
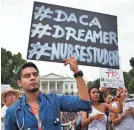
[[63, 90], [41, 86], [48, 86], [56, 85]]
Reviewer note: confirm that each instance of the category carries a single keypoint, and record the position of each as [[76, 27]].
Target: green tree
[[127, 78], [131, 85], [132, 62], [131, 72], [10, 64], [95, 83]]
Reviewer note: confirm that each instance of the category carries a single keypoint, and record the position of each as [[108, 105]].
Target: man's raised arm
[[82, 88]]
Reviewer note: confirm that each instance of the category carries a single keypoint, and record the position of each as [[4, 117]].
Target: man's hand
[[81, 85], [73, 64]]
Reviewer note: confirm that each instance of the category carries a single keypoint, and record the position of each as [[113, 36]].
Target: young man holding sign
[[36, 111]]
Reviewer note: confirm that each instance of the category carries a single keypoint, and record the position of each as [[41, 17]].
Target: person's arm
[[116, 120], [117, 110], [86, 121], [10, 120], [76, 117], [73, 103], [82, 88], [74, 120], [3, 113], [61, 115]]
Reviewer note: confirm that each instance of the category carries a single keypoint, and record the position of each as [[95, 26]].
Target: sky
[[15, 24]]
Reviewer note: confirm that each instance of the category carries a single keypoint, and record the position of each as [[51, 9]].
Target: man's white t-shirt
[[3, 113], [126, 123]]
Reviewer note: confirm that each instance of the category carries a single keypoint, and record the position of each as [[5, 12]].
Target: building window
[[71, 86], [57, 86], [66, 86], [50, 87]]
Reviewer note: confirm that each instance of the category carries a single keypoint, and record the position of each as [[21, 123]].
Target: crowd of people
[[91, 109]]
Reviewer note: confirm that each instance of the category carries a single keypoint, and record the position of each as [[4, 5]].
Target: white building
[[60, 83]]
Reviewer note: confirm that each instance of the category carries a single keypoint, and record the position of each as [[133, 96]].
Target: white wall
[[69, 89]]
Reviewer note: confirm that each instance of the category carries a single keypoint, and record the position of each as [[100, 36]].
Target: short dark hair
[[28, 64]]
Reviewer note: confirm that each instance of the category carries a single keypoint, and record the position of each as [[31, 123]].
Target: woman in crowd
[[124, 121], [97, 119], [108, 100], [8, 97]]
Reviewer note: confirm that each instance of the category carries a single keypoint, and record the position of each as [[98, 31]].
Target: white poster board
[[111, 78], [129, 103]]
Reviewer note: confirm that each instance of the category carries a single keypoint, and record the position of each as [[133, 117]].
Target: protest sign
[[129, 103], [111, 78], [4, 87], [59, 32]]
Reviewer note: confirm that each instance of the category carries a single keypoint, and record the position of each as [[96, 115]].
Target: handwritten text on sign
[[60, 32], [111, 78]]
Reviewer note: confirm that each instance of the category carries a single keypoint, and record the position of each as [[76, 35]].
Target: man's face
[[30, 80]]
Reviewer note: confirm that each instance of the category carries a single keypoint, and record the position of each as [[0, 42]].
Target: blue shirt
[[50, 107]]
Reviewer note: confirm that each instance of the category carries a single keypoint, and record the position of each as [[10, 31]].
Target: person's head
[[108, 99], [28, 77], [124, 94], [104, 89], [9, 96], [114, 98], [94, 94]]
